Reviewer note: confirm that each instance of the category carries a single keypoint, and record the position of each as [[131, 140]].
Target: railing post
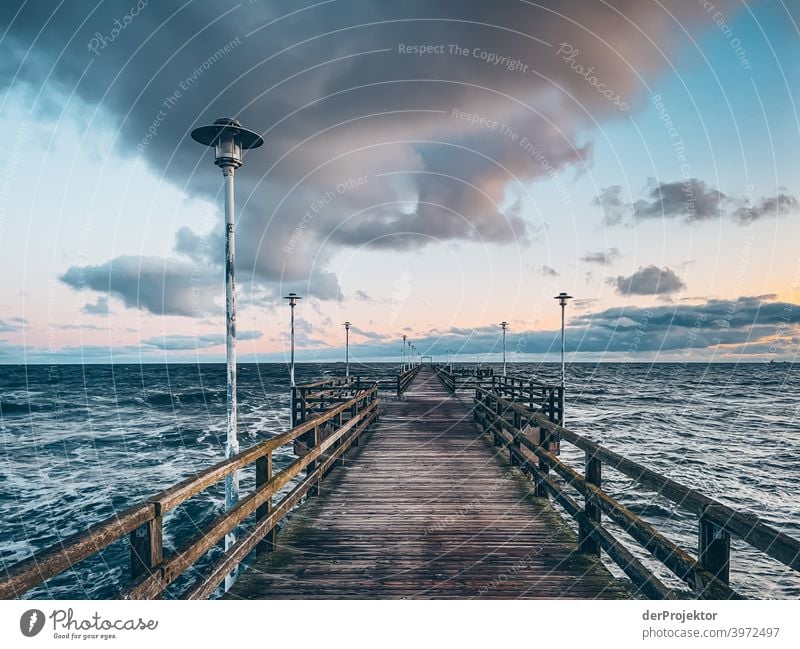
[[591, 510], [560, 405], [544, 467], [264, 475], [146, 547], [515, 445], [714, 550], [353, 413], [312, 466], [496, 423], [338, 443]]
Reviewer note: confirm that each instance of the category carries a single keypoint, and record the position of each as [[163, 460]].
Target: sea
[[81, 442]]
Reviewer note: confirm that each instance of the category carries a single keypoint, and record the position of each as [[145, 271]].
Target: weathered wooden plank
[[426, 508]]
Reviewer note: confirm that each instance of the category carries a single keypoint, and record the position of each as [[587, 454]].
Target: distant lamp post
[[504, 325], [347, 349], [229, 139], [403, 366], [562, 301], [293, 298]]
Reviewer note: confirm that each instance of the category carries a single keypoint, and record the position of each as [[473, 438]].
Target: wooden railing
[[532, 440], [313, 398], [548, 398], [448, 380], [327, 436], [404, 379]]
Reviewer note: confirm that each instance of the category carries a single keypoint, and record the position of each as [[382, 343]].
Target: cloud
[[548, 271], [746, 325], [692, 199], [12, 324], [176, 342], [100, 307], [363, 145], [157, 285], [779, 205], [363, 296], [603, 257], [371, 335], [615, 210], [648, 280]]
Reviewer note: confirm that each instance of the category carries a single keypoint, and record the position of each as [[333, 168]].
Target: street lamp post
[[562, 301], [403, 366], [293, 298], [229, 139], [504, 325], [347, 349]]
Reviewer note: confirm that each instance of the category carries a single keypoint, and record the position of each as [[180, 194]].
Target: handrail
[[151, 572], [525, 388], [708, 575], [404, 379], [306, 396], [447, 379]]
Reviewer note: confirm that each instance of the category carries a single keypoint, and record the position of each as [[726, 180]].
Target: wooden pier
[[419, 490], [428, 508]]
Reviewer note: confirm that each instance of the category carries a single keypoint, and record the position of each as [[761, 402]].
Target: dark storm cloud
[[690, 200], [363, 146], [154, 284], [602, 257], [648, 280]]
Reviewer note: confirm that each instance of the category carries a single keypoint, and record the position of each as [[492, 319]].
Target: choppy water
[[81, 442]]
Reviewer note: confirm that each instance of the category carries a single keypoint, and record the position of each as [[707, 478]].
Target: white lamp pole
[[229, 139], [504, 325], [347, 349], [562, 301], [293, 298]]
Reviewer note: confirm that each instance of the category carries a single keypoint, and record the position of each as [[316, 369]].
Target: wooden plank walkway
[[425, 507]]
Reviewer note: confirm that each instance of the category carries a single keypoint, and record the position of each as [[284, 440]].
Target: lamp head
[[229, 139], [504, 324], [347, 325], [562, 298], [293, 298]]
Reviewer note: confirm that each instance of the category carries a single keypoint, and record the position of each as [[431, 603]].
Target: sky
[[429, 169]]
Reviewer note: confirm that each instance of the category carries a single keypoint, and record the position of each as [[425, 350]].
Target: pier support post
[[591, 510], [264, 475], [714, 550], [146, 548]]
